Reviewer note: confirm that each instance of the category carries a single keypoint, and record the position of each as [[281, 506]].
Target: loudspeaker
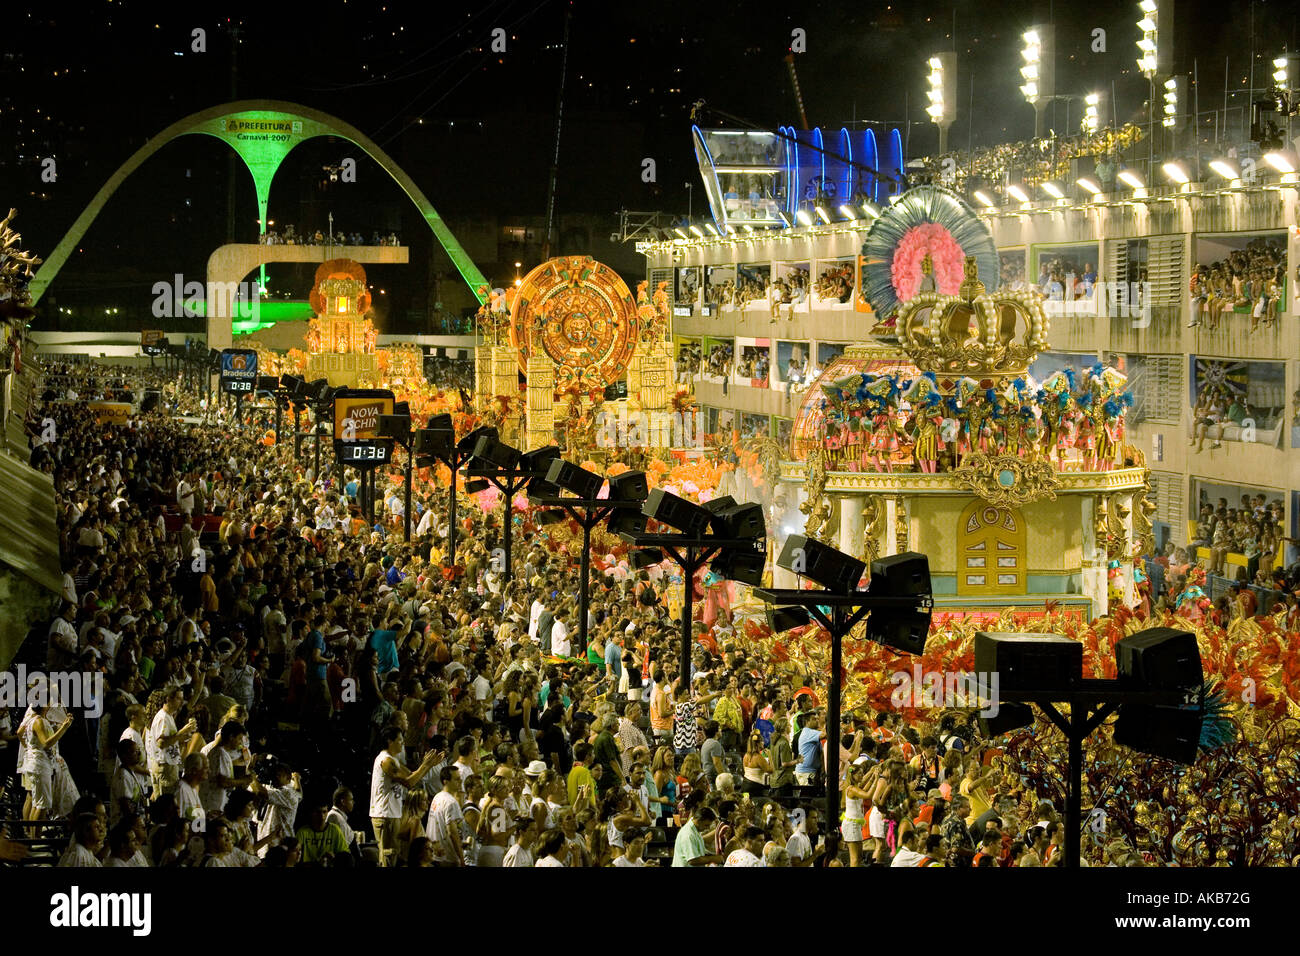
[[901, 575], [1031, 662], [268, 383], [781, 619], [902, 629], [1159, 658], [1008, 718], [496, 454], [537, 463], [1170, 732], [715, 505], [828, 567], [626, 521], [150, 401], [433, 442], [739, 521], [744, 566], [393, 426], [467, 444], [629, 486], [583, 483], [645, 557], [678, 513], [475, 485]]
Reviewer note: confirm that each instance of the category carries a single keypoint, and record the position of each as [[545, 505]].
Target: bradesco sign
[[356, 413], [238, 371]]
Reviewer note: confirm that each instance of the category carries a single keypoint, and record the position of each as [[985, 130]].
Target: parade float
[[339, 344], [935, 438]]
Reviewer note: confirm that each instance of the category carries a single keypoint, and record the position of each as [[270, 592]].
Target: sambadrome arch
[[262, 133]]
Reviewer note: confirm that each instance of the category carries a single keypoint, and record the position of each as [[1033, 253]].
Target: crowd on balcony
[[1254, 530], [1250, 280], [292, 236], [835, 282]]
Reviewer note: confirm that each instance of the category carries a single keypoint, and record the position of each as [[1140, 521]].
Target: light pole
[[899, 601]]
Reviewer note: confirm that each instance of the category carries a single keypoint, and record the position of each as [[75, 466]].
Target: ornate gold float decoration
[[973, 333], [1004, 480]]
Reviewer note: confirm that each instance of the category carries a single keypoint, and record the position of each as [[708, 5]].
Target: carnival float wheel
[[584, 317]]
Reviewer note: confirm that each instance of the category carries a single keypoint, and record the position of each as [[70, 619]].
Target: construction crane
[[798, 96]]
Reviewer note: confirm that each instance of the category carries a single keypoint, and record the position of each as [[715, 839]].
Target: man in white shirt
[[281, 806], [445, 826], [220, 754], [63, 643], [185, 497], [163, 744], [534, 612], [388, 781], [748, 854], [907, 855], [633, 848], [339, 812], [560, 645]]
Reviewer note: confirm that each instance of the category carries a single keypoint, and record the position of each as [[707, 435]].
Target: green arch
[[262, 132]]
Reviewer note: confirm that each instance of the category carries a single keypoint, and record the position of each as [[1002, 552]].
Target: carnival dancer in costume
[[1085, 434], [1031, 429], [1066, 431], [1108, 432], [925, 435], [950, 433]]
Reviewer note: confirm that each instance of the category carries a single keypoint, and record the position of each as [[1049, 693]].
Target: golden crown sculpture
[[973, 333]]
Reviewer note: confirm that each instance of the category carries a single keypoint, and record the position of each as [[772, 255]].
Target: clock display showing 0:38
[[380, 453]]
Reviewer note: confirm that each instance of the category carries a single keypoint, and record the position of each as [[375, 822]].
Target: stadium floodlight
[[1227, 169], [697, 231], [1053, 190], [1088, 186], [1131, 179], [1281, 78], [848, 212], [822, 214], [984, 199], [1017, 193], [1091, 116], [1173, 99], [1282, 161], [1148, 41], [803, 217], [1176, 173]]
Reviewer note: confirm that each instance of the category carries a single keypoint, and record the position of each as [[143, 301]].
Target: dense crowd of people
[[288, 684]]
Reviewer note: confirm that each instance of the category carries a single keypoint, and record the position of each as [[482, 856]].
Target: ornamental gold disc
[[582, 315]]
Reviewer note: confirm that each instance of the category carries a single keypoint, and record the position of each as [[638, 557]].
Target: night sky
[[88, 83]]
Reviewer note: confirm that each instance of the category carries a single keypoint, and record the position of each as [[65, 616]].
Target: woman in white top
[[495, 823], [622, 810], [40, 743], [854, 818], [552, 844]]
